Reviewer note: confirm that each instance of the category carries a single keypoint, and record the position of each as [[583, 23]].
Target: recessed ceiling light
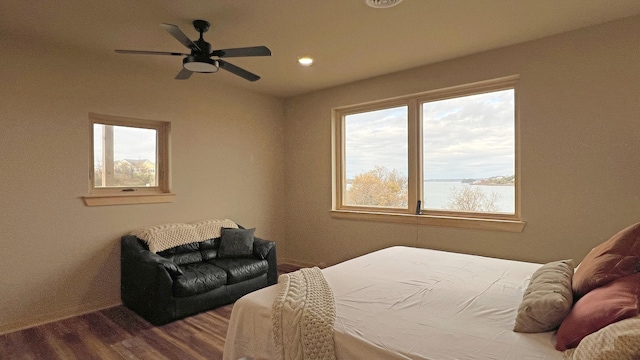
[[382, 4], [305, 60]]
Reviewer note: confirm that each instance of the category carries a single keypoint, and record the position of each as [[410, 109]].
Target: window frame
[[473, 220], [160, 193]]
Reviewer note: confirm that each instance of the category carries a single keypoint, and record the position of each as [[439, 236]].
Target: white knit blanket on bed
[[166, 236], [303, 314]]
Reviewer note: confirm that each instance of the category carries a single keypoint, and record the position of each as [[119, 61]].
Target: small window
[[129, 160], [445, 157]]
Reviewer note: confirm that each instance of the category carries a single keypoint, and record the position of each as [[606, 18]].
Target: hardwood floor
[[118, 333]]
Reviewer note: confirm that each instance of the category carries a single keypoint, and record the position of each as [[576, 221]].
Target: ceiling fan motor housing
[[200, 59]]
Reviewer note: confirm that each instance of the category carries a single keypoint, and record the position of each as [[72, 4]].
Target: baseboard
[[302, 263], [55, 316]]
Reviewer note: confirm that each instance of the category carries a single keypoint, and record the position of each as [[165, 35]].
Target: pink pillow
[[617, 257], [600, 307]]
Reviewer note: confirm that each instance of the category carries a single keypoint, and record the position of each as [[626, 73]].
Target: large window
[[129, 160], [449, 154]]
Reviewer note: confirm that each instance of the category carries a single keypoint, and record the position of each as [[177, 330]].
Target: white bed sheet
[[410, 303]]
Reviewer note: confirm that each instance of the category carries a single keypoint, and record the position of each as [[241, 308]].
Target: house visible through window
[[449, 152], [124, 156], [129, 156]]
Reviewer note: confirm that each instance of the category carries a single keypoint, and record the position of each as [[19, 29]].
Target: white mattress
[[410, 303]]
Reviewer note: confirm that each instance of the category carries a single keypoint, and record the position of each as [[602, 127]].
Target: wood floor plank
[[38, 343], [193, 340], [137, 349], [18, 347], [5, 349], [126, 319], [61, 348], [120, 334]]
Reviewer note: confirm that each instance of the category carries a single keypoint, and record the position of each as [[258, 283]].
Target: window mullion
[[108, 177], [414, 154]]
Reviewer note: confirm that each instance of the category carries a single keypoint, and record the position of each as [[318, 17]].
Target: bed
[[410, 303]]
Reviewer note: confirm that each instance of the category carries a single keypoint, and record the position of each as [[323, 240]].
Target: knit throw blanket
[[303, 314], [166, 236]]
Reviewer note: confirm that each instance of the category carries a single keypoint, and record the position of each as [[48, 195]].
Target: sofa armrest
[[261, 247], [146, 283], [171, 267], [133, 251], [266, 249]]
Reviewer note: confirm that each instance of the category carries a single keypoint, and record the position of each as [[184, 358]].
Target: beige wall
[[258, 160], [579, 106], [59, 257]]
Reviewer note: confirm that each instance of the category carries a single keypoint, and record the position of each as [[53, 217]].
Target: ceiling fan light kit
[[193, 64], [200, 60]]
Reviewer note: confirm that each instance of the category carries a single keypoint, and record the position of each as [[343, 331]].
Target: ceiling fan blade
[[246, 51], [184, 74], [175, 31], [143, 52], [238, 71]]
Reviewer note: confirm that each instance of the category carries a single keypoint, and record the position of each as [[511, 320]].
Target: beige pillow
[[620, 340], [548, 298]]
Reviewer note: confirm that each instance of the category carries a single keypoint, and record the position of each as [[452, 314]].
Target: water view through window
[[468, 155]]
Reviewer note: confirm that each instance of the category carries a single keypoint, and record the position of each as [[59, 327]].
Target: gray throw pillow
[[548, 298], [261, 248], [236, 243]]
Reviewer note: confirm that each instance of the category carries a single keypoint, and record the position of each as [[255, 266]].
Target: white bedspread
[[409, 303]]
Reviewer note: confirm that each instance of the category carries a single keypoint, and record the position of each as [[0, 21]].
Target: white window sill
[[432, 220], [129, 199]]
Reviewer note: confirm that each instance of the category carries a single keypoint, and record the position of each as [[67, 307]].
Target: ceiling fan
[[201, 59]]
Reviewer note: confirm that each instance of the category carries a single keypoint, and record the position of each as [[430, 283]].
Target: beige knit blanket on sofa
[[303, 315], [166, 236]]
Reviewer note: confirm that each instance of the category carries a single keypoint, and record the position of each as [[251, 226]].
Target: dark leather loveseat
[[188, 279]]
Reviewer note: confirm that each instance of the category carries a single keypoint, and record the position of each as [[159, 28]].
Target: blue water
[[438, 195]]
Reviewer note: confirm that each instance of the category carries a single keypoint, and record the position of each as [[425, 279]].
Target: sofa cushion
[[187, 258], [198, 278], [236, 243], [209, 248], [172, 268], [241, 269], [183, 254]]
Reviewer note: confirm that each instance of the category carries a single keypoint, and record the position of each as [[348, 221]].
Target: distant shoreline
[[489, 184], [476, 182]]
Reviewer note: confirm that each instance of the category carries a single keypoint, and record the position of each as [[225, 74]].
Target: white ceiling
[[349, 40]]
